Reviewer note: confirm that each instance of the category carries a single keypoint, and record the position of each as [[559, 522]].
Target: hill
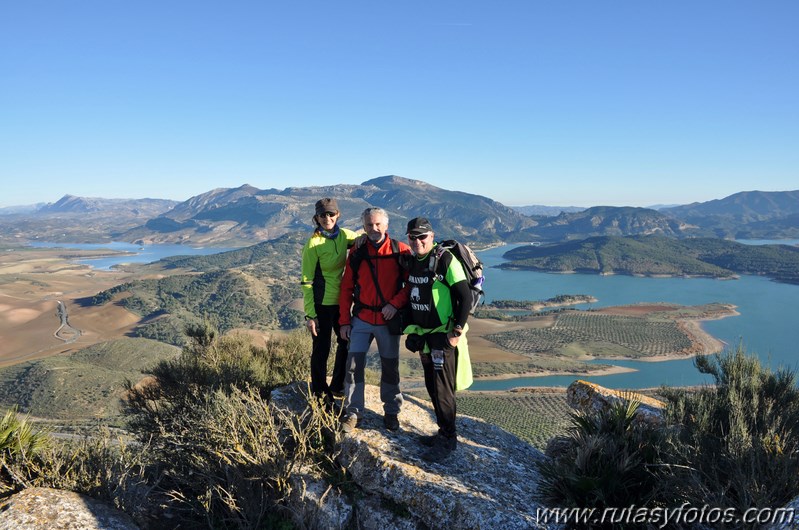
[[748, 214], [608, 221], [81, 386], [658, 255], [246, 214], [541, 210], [252, 287], [80, 219], [134, 207]]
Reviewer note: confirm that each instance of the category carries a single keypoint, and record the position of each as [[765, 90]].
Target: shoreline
[[610, 370], [701, 342]]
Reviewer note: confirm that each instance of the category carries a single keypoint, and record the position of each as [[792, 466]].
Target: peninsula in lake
[[651, 255]]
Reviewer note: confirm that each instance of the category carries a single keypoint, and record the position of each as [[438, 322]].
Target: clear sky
[[566, 102]]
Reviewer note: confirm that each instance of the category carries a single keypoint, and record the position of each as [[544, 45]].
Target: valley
[[137, 310]]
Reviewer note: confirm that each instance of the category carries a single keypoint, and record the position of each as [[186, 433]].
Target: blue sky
[[582, 103]]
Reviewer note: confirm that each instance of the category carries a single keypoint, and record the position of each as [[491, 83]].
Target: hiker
[[439, 308], [323, 258], [371, 296]]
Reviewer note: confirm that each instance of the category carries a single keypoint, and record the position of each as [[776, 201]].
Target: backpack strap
[[435, 262], [361, 253]]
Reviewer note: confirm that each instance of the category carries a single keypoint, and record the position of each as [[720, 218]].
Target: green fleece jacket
[[323, 262]]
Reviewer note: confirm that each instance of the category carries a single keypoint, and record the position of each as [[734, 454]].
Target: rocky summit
[[490, 481]]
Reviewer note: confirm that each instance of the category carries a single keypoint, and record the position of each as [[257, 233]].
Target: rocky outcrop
[[590, 397], [49, 509], [490, 481]]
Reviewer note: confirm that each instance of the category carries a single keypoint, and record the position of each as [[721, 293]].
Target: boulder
[[589, 397], [50, 509]]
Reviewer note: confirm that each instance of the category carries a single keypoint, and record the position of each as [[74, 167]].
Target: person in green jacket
[[323, 259], [439, 292]]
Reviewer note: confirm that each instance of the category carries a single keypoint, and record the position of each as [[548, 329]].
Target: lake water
[[768, 324], [141, 253]]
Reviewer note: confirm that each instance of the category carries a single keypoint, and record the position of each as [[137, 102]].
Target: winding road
[[65, 331]]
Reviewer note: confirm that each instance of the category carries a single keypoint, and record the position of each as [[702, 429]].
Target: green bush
[[208, 363], [229, 462], [734, 444], [20, 446], [223, 452], [741, 436], [608, 460]]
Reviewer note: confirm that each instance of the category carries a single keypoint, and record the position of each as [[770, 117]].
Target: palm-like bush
[[610, 460], [20, 444], [731, 445]]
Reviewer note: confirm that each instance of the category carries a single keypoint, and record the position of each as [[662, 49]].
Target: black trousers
[[327, 315], [441, 383]]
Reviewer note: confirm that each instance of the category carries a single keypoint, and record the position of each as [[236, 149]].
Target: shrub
[[20, 445], [731, 445], [229, 463], [102, 466], [209, 363], [225, 454], [609, 460], [741, 436]]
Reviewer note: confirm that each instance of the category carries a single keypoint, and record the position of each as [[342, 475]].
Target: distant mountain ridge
[[74, 219], [246, 215], [74, 204], [743, 215], [610, 221], [546, 211]]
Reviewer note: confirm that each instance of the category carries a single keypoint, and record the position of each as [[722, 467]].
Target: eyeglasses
[[420, 237], [328, 214]]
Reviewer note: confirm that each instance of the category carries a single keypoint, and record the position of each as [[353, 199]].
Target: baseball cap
[[419, 225]]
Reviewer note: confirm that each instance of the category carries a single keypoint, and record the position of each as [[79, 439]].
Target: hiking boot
[[349, 422], [337, 393], [428, 441], [441, 449], [391, 422]]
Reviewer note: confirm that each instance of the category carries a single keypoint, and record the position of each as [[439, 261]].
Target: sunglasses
[[328, 214], [420, 237]]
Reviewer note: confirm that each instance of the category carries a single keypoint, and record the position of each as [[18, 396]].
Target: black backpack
[[472, 266]]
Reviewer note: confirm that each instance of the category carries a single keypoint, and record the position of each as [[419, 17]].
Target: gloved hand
[[414, 342]]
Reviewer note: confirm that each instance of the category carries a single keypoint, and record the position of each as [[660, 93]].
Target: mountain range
[[246, 215]]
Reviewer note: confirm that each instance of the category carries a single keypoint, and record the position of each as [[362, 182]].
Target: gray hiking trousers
[[361, 336]]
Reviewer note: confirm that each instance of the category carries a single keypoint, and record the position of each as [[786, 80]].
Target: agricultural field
[[535, 415], [656, 331]]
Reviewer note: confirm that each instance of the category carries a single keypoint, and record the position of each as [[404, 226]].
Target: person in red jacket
[[372, 293]]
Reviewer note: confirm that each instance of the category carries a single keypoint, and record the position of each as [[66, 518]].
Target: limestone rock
[[590, 397], [49, 509], [791, 517], [316, 504], [490, 481]]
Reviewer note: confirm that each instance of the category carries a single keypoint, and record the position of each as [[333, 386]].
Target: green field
[[84, 386]]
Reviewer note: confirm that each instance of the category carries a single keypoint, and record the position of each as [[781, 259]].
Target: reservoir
[[768, 324], [139, 253]]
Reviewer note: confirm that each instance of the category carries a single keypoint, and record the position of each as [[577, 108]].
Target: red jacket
[[390, 276]]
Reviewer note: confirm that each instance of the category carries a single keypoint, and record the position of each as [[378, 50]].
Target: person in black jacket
[[439, 310]]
